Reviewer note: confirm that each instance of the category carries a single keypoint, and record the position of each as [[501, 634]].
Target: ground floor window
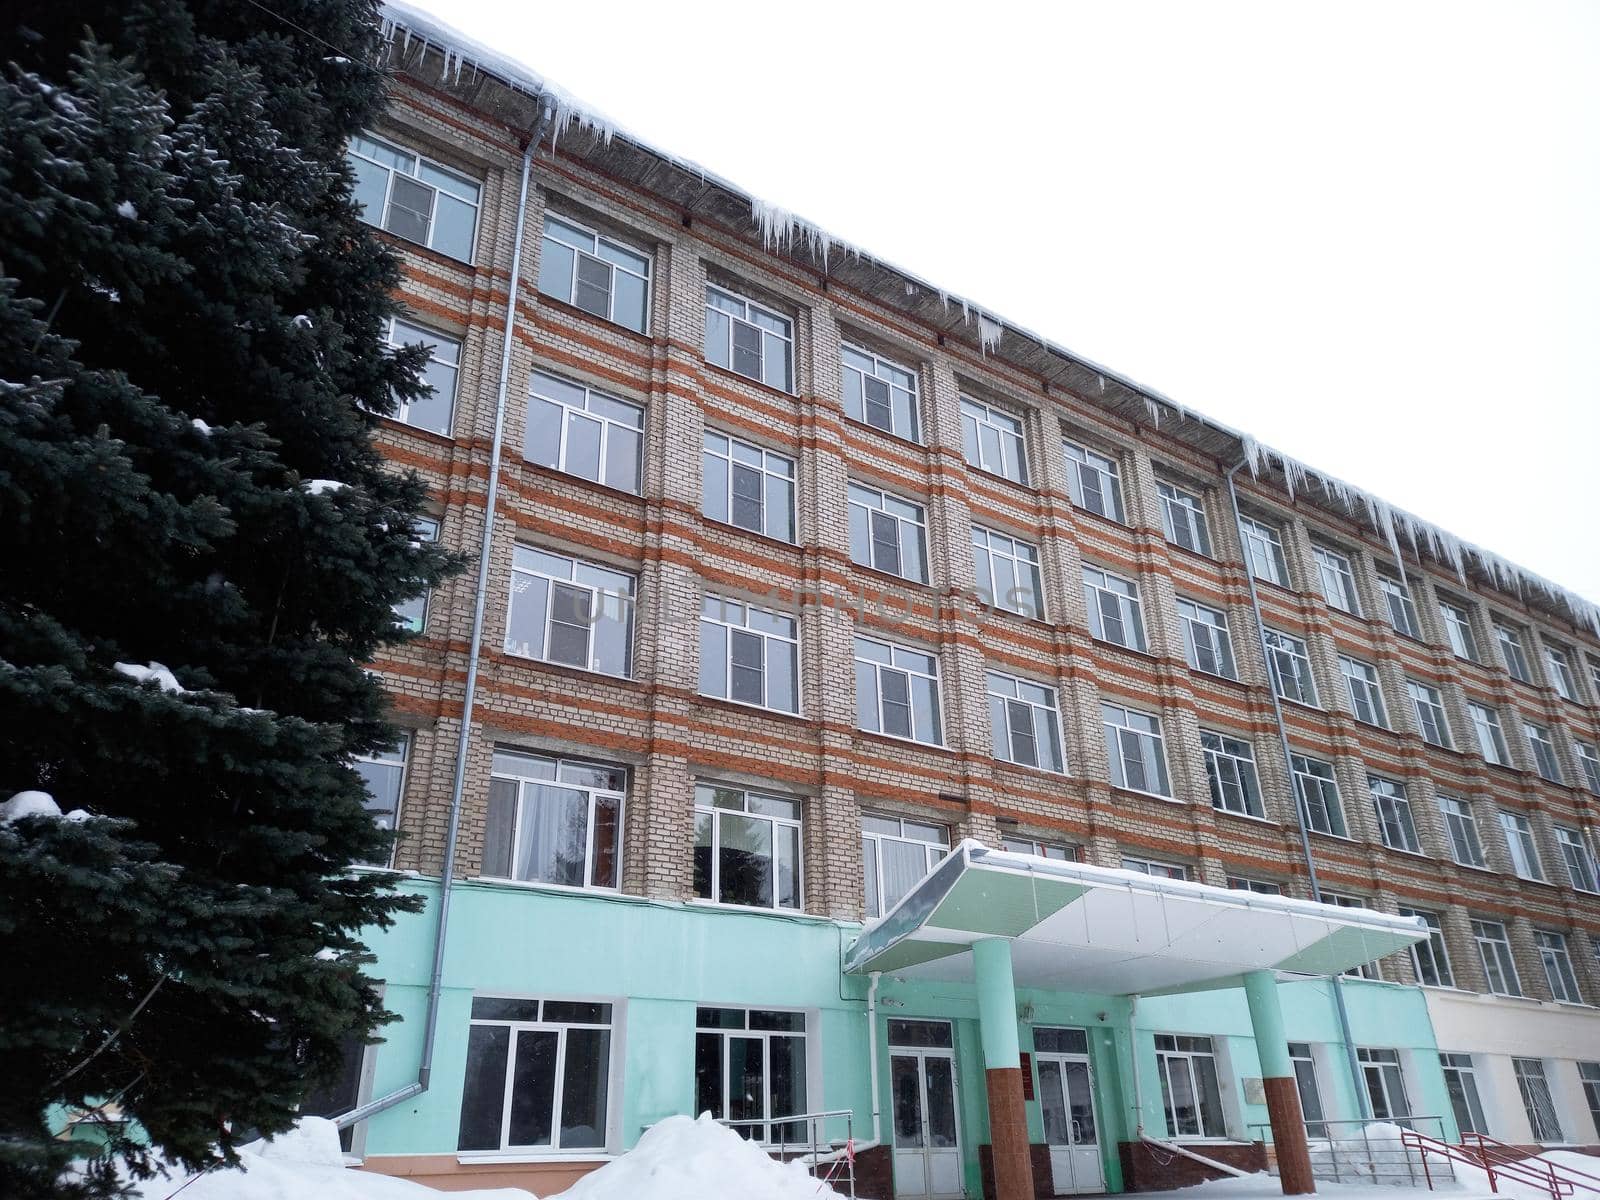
[[1305, 1078], [1536, 1098], [1386, 1084], [1189, 1086], [1589, 1073], [342, 1092], [750, 1067], [538, 1075], [1461, 1082]]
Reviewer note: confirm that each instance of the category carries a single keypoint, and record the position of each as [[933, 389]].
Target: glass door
[[1066, 1096], [927, 1144]]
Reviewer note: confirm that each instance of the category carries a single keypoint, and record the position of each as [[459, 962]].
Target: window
[[1008, 572], [1362, 690], [1461, 827], [749, 1068], [1159, 870], [1183, 518], [1458, 630], [1544, 752], [1189, 1086], [567, 611], [895, 853], [413, 197], [583, 432], [1491, 741], [1261, 887], [1024, 722], [879, 392], [554, 820], [888, 534], [1589, 1076], [1231, 773], [434, 412], [596, 273], [1461, 1082], [1305, 1078], [1263, 550], [1368, 970], [749, 654], [1337, 580], [538, 1075], [1093, 481], [1039, 849], [1207, 643], [897, 691], [992, 440], [1589, 764], [1536, 1098], [1290, 667], [1494, 952], [1135, 749], [1523, 849], [1594, 675], [1386, 1084], [747, 486], [1430, 959], [1393, 809], [1511, 650], [1402, 612], [746, 847], [1580, 862], [1318, 793], [1429, 707], [1115, 614], [1558, 663], [383, 774], [749, 339], [1557, 965], [413, 613]]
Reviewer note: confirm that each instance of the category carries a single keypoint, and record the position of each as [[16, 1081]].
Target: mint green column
[[997, 1002], [1266, 1019], [1278, 1081]]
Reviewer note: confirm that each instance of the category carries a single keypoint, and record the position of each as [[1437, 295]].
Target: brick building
[[805, 579]]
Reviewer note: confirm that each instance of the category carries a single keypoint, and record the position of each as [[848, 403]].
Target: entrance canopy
[[1079, 928]]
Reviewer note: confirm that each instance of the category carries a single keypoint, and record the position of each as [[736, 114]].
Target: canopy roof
[[1080, 928]]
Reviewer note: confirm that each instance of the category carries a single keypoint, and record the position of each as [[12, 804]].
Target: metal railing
[[803, 1138], [1500, 1158], [1350, 1150]]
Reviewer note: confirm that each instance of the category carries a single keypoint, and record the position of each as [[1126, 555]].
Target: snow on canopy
[[37, 804], [152, 672], [781, 230]]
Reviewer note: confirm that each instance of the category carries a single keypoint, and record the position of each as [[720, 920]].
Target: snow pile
[[152, 673], [687, 1159], [201, 427], [1520, 1186], [302, 1164], [318, 486], [37, 804]]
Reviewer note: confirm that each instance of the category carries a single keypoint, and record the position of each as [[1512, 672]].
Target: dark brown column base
[[1289, 1137], [1008, 1134]]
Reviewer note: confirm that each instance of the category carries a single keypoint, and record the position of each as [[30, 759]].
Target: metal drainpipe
[[1288, 765], [430, 1027]]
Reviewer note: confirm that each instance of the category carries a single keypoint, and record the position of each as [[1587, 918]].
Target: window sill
[[512, 657], [893, 739], [395, 423], [757, 910], [468, 1158], [1100, 641], [596, 485], [535, 885], [995, 475], [899, 581], [792, 397], [1114, 522], [437, 256], [759, 709], [1229, 679], [572, 310], [1047, 772], [1198, 554], [1251, 817], [755, 533], [867, 426], [1044, 624], [1128, 791]]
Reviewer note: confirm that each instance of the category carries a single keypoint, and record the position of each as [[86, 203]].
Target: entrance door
[[927, 1146], [1066, 1095]]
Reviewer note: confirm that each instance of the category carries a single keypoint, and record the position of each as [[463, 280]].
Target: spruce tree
[[191, 336]]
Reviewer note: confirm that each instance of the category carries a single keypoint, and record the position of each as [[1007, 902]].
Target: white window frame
[[1458, 630], [1183, 514], [1206, 629], [1231, 774], [1011, 701], [1558, 665], [1556, 960], [1465, 1070], [523, 818], [1392, 807], [872, 840], [870, 509], [1491, 737], [1008, 456], [1338, 580], [594, 410], [1330, 806], [1512, 651], [414, 175], [413, 613], [1060, 851], [1094, 481], [1432, 950], [1263, 550], [1184, 1052], [400, 333], [774, 469], [1285, 647], [1382, 1065], [594, 251], [1461, 830], [1261, 887], [1363, 691], [1123, 594], [769, 1131], [602, 603], [749, 316], [734, 618], [899, 382], [1588, 763], [1155, 868], [913, 671], [1521, 845], [1582, 871], [994, 555], [1533, 1084], [1151, 746], [392, 761], [1542, 749], [1589, 1080], [1494, 953], [1402, 608], [1427, 704], [706, 805]]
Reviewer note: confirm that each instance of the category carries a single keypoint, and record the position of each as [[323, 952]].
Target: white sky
[[1367, 233]]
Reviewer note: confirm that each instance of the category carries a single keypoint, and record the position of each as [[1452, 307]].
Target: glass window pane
[[583, 1088], [555, 270], [533, 1087], [483, 1092], [453, 222], [555, 838], [583, 446], [745, 860]]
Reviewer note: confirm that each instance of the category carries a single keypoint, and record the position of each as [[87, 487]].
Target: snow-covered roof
[[782, 231]]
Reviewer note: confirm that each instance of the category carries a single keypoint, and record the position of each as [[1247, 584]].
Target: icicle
[[989, 331], [1153, 411]]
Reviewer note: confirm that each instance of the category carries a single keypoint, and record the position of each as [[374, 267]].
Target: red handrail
[[1504, 1152], [1424, 1145]]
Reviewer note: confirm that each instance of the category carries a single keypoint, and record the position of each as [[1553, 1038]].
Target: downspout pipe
[[1288, 767], [872, 1057], [447, 872]]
